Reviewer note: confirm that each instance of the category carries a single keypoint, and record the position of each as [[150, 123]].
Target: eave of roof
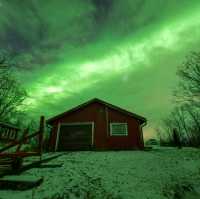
[[140, 118]]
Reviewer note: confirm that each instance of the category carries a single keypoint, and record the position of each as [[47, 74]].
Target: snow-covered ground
[[157, 174]]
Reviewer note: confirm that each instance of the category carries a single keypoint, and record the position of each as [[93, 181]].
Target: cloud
[[39, 33], [32, 28], [70, 51]]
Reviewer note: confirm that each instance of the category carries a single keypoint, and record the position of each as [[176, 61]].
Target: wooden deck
[[9, 167], [12, 162], [6, 165], [19, 183]]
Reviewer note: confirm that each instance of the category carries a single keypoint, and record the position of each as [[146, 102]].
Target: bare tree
[[185, 116], [11, 93], [175, 120], [188, 90]]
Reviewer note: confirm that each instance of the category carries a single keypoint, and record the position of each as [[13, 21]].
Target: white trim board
[[57, 137]]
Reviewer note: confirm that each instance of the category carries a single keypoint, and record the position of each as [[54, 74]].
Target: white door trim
[[57, 136], [72, 124]]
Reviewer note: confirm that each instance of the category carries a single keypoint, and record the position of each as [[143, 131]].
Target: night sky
[[125, 52]]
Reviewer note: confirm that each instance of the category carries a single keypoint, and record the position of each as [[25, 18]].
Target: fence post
[[25, 134], [176, 138], [41, 133]]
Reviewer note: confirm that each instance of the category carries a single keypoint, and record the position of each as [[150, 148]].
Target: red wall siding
[[124, 142], [98, 113]]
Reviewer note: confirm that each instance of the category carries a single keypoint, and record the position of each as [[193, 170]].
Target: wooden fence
[[25, 138], [8, 132], [12, 162]]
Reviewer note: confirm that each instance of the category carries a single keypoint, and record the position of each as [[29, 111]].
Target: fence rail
[[14, 160], [25, 138], [8, 132]]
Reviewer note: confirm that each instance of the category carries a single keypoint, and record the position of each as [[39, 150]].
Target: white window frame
[[118, 123]]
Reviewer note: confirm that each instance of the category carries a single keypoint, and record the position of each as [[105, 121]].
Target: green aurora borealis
[[125, 52]]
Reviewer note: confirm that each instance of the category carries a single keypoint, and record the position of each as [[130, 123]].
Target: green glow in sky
[[110, 51]]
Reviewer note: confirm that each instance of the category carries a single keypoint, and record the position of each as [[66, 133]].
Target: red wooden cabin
[[96, 124]]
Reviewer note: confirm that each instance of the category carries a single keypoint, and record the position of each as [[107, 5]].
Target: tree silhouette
[[11, 93], [185, 115], [188, 90]]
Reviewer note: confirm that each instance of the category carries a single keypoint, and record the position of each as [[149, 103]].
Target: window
[[118, 129]]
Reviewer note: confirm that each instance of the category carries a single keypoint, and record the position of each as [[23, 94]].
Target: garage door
[[75, 137]]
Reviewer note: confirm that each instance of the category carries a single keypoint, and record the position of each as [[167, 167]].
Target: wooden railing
[[8, 132], [25, 138]]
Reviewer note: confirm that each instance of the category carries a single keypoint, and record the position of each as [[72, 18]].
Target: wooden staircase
[[11, 162], [6, 165]]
